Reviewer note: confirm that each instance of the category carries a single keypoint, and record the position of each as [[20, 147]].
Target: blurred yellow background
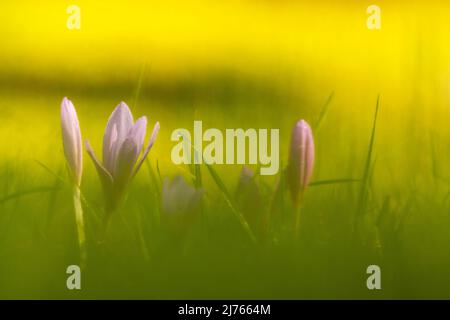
[[296, 52]]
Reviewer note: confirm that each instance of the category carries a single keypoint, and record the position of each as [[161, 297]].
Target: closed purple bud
[[71, 137], [301, 160]]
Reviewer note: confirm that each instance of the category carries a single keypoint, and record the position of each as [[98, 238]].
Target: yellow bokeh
[[306, 50]]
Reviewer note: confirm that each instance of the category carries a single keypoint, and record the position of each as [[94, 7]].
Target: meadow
[[378, 104]]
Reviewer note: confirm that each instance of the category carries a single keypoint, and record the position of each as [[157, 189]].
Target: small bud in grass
[[123, 153], [301, 160], [180, 204], [250, 202], [71, 137]]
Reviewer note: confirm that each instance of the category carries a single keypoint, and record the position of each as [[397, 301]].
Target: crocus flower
[[72, 141], [301, 160], [73, 152], [122, 147], [180, 203]]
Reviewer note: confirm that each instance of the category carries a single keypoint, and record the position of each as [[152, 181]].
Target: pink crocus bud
[[123, 153], [73, 152], [72, 141], [301, 160]]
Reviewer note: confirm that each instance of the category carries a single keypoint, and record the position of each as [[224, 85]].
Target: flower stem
[[298, 212], [297, 220], [80, 225]]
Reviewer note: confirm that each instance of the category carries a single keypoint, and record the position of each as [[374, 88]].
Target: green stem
[[298, 209], [80, 226], [297, 220]]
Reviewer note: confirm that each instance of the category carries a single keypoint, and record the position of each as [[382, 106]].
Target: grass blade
[[198, 176], [230, 201], [158, 172], [323, 112], [137, 92], [83, 198], [59, 177], [366, 173], [154, 179], [332, 181], [30, 191], [226, 194]]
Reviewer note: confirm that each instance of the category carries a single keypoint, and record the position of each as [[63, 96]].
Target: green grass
[[223, 252]]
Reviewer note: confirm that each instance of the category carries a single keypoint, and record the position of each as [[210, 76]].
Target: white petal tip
[[123, 105]]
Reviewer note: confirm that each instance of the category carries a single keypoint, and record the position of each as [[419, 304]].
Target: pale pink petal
[[309, 158], [108, 161], [138, 132], [125, 161], [105, 177], [72, 140], [149, 146], [122, 119], [301, 159]]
